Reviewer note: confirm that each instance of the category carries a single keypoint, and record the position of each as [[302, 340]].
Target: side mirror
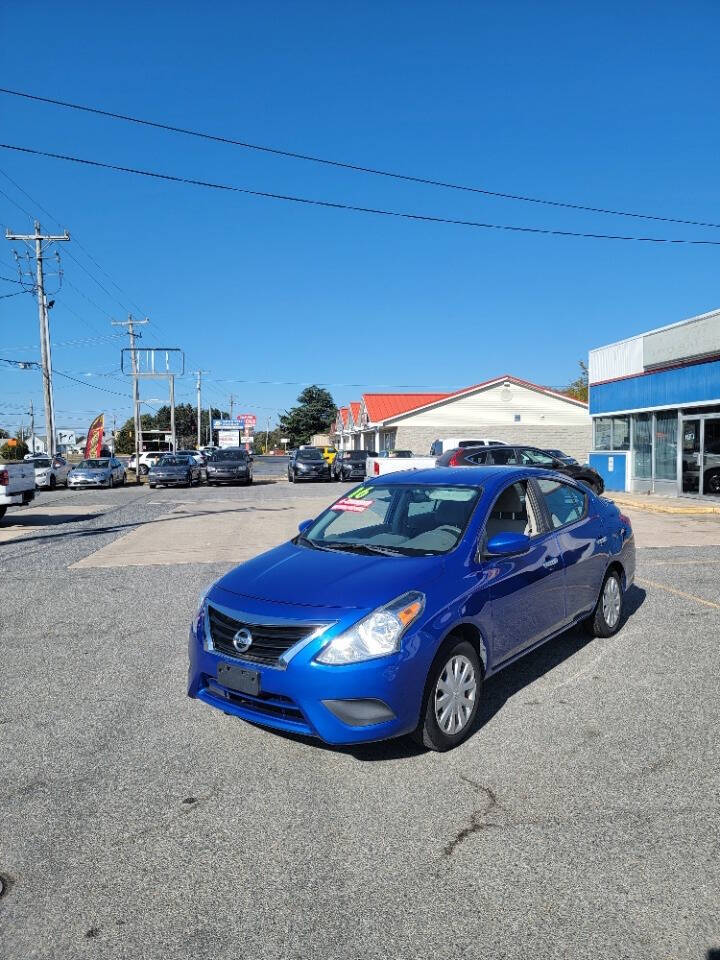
[[507, 544], [304, 525]]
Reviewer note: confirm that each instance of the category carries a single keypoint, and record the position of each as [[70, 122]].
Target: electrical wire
[[333, 205], [355, 167]]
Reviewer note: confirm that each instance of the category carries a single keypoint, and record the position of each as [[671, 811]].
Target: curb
[[701, 510]]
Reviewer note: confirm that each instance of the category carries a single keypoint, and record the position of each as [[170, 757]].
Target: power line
[[355, 167], [397, 214]]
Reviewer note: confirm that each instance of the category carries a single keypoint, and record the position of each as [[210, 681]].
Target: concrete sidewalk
[[685, 506]]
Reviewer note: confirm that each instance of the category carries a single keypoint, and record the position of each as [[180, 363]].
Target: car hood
[[225, 464], [171, 470], [301, 576], [91, 472]]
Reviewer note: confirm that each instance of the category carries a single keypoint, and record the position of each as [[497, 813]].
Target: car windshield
[[395, 519], [228, 455], [400, 453], [174, 462], [360, 455], [41, 463], [309, 455], [94, 464]]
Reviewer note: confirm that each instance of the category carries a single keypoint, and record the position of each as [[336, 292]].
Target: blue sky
[[609, 105]]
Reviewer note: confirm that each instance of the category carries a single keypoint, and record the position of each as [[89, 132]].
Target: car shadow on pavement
[[49, 520], [497, 691]]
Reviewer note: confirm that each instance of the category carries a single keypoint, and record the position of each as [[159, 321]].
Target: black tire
[[711, 482], [152, 486], [52, 482], [291, 478], [111, 482], [606, 618], [429, 732], [124, 479], [144, 469], [3, 510]]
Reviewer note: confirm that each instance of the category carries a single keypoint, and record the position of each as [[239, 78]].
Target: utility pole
[[39, 238], [171, 379], [130, 324], [199, 374], [32, 426], [267, 434], [232, 404]]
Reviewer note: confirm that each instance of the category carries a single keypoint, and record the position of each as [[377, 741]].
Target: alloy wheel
[[611, 601], [455, 694]]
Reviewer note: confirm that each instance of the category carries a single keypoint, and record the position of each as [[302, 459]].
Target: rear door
[[583, 542]]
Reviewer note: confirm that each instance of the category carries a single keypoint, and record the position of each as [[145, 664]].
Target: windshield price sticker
[[352, 506], [358, 494]]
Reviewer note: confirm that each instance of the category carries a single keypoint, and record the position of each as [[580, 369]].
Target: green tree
[[578, 389], [314, 413], [14, 453]]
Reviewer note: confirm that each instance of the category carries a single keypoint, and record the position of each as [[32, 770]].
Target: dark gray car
[[230, 465], [175, 470]]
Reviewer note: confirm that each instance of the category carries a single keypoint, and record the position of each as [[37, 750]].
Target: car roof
[[487, 477]]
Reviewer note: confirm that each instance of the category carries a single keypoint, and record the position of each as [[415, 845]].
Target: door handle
[[550, 562], [600, 541]]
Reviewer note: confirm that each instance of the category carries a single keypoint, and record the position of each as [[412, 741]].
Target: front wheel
[[452, 696], [291, 478], [605, 620], [111, 482], [52, 483], [144, 469], [711, 482]]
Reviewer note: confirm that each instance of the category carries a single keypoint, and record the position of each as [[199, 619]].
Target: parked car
[[50, 473], [308, 463], [520, 456], [147, 459], [395, 454], [350, 465], [98, 472], [388, 612], [199, 458], [174, 470], [559, 455], [438, 447], [230, 465], [17, 485]]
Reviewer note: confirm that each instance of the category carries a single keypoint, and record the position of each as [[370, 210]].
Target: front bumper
[[168, 481], [226, 476], [356, 703], [88, 481]]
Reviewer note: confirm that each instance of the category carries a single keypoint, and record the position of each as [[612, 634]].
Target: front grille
[[269, 641]]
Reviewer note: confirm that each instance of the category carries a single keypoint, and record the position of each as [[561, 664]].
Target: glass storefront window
[[603, 433], [621, 433], [642, 446], [666, 425]]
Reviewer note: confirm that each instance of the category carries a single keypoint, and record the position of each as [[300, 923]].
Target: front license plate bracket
[[239, 679]]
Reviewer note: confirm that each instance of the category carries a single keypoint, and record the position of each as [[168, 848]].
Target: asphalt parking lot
[[580, 819]]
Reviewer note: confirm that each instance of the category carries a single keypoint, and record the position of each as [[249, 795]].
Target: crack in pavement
[[478, 820]]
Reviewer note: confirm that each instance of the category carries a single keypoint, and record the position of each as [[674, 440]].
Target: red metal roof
[[343, 411], [355, 411], [380, 406]]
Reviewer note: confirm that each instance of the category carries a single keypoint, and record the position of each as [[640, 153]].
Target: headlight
[[376, 635], [199, 614], [301, 466]]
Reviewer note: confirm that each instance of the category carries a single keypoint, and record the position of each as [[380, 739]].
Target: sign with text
[[228, 438]]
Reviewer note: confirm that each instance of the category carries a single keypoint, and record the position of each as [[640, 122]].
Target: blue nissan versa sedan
[[386, 614]]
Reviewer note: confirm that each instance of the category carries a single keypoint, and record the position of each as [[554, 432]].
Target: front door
[[527, 592], [691, 456]]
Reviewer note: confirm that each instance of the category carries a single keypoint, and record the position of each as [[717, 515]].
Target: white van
[[438, 447]]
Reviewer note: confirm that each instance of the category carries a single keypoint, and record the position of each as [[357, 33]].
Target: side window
[[478, 458], [536, 458], [501, 458], [564, 503], [512, 512], [436, 448]]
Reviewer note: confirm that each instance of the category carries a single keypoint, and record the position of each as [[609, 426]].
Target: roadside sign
[[11, 442], [66, 437], [228, 438]]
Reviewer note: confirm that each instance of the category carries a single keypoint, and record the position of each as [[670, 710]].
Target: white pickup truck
[[377, 466], [17, 484]]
